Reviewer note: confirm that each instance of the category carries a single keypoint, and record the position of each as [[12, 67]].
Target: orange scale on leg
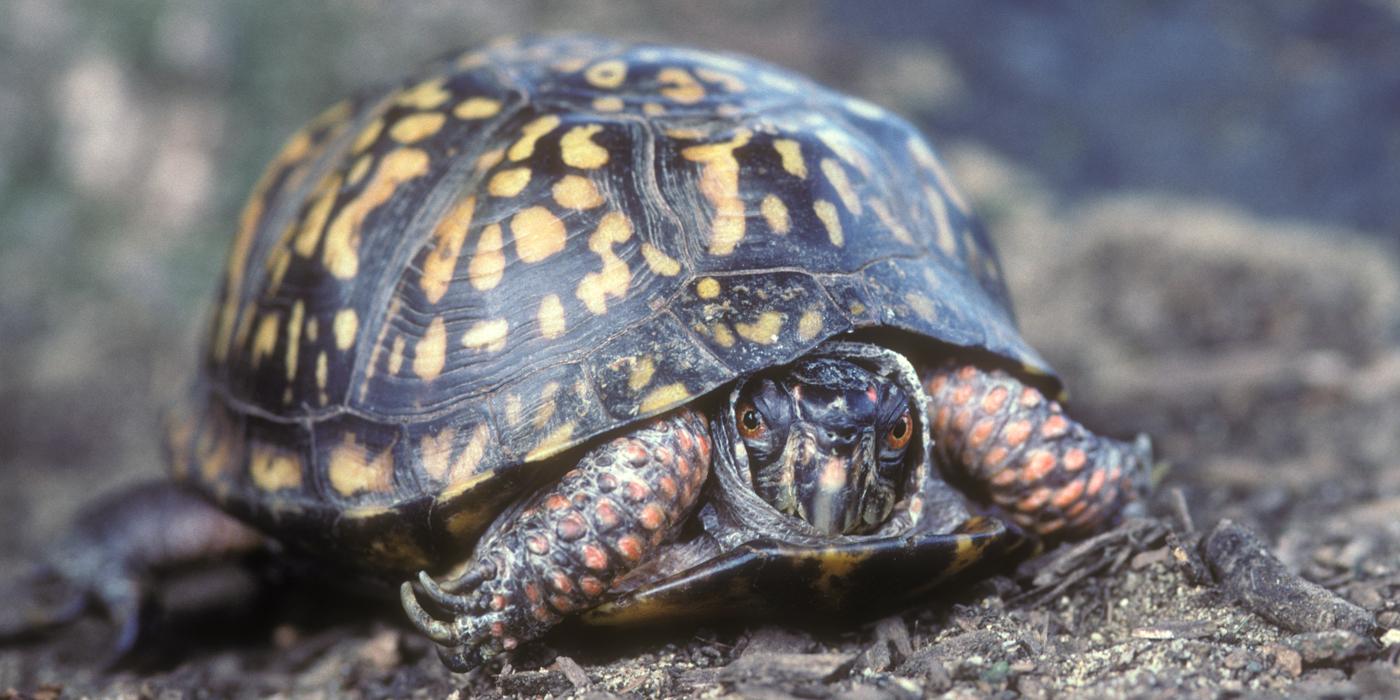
[[995, 456], [962, 421], [1068, 494], [606, 515], [961, 395], [1034, 501], [498, 629], [1038, 464], [532, 593], [1075, 459], [1096, 482], [940, 420], [981, 432], [591, 586], [994, 400], [667, 485], [561, 582], [630, 547], [595, 558], [556, 502], [967, 373], [1016, 433], [652, 517], [498, 602], [663, 455], [1030, 398], [1005, 477], [561, 603], [1054, 426], [541, 613]]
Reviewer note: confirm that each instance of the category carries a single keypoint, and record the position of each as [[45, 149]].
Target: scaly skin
[[1044, 470], [564, 549]]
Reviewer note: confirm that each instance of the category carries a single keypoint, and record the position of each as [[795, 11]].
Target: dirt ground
[[1195, 205]]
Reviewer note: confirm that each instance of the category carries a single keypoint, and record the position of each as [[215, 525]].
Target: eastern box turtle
[[567, 326]]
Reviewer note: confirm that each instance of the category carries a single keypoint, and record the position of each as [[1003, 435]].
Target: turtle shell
[[435, 289]]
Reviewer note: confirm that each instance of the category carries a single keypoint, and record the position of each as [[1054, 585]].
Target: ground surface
[[1196, 209]]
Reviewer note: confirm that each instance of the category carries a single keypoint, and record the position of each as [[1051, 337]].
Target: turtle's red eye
[[899, 433], [750, 421]]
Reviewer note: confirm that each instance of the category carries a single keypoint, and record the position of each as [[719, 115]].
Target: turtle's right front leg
[[561, 552]]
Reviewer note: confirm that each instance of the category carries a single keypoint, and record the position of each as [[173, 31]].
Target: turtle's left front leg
[[1045, 470], [562, 550]]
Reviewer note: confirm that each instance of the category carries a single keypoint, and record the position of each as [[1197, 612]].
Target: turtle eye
[[750, 421], [898, 435]]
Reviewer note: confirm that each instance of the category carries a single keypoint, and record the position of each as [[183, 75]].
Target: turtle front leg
[[1049, 473], [562, 550]]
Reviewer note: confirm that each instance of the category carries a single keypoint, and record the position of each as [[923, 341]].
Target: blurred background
[[1198, 204]]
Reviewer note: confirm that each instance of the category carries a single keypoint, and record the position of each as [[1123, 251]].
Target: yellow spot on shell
[[576, 192], [538, 234], [529, 134], [322, 369], [707, 288], [578, 149], [341, 255], [923, 155], [659, 262], [610, 103], [946, 240], [487, 335], [515, 406], [416, 127], [431, 354], [776, 214], [723, 335], [265, 338], [552, 444], [489, 262], [791, 153], [836, 175], [729, 81], [436, 451], [466, 463], [719, 182], [653, 109], [664, 397], [345, 325], [425, 95], [606, 74], [569, 65], [546, 406], [367, 136], [315, 221], [476, 108], [642, 370], [490, 159], [396, 355], [274, 469], [508, 183], [294, 338], [312, 329], [921, 306], [448, 237], [551, 317], [681, 86], [826, 211], [764, 330], [359, 170], [352, 470], [615, 276], [901, 233], [809, 325]]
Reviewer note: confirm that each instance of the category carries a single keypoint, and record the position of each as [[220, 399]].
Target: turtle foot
[[563, 550]]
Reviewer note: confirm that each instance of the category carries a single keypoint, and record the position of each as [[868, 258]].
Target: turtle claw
[[470, 637]]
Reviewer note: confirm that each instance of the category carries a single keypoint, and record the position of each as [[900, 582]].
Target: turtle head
[[827, 441]]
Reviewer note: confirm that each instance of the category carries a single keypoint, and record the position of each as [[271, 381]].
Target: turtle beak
[[836, 487]]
